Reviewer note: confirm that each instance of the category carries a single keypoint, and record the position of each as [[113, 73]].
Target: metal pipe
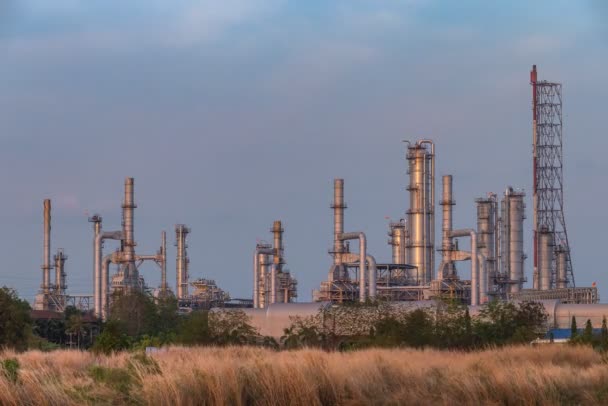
[[260, 262], [362, 258], [545, 259], [46, 248], [163, 254], [273, 283], [100, 237], [483, 278], [181, 261], [560, 265], [277, 232], [431, 213], [338, 206], [105, 283], [371, 270], [468, 232], [60, 259], [446, 268], [96, 220]]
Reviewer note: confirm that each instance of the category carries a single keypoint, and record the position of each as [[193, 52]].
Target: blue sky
[[236, 113]]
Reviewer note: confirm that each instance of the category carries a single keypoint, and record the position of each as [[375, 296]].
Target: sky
[[232, 114]]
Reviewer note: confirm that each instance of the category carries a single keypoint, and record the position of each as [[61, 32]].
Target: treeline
[[445, 325], [137, 320]]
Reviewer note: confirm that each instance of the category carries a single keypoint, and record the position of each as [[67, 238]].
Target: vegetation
[[15, 321], [248, 375], [446, 325]]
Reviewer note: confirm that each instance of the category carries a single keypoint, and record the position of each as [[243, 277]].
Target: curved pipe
[[362, 256], [468, 232], [98, 254]]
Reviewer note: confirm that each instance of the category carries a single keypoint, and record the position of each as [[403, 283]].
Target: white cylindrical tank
[[545, 259], [512, 208]]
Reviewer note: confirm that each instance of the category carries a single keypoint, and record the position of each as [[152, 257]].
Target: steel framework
[[548, 198]]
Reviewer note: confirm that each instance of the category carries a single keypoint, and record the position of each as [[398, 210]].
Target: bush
[[10, 368]]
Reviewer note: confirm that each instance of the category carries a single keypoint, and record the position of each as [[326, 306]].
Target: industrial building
[[496, 257]]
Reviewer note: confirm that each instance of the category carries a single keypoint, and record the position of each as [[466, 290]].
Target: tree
[[15, 320], [76, 326], [588, 332], [194, 329], [135, 312], [573, 328], [112, 338]]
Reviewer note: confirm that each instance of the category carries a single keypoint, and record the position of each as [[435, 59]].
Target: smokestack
[[338, 205], [46, 247]]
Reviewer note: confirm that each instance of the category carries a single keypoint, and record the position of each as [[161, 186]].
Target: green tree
[[419, 327], [194, 329], [573, 328], [76, 326], [15, 320], [136, 312], [588, 332], [112, 338]]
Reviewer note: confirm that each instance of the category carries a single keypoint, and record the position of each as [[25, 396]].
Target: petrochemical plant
[[496, 256]]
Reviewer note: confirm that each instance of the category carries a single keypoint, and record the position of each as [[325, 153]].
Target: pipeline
[[362, 259], [469, 232]]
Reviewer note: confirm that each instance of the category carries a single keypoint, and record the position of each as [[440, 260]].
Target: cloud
[[208, 19]]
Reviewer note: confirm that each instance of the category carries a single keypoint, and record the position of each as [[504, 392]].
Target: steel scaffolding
[[548, 198]]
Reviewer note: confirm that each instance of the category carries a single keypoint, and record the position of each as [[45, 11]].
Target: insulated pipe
[[371, 270], [46, 247], [362, 257], [468, 232], [338, 205], [545, 258]]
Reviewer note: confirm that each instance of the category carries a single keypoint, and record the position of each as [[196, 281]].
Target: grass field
[[243, 376]]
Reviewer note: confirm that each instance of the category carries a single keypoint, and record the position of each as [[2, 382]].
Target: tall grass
[[243, 376]]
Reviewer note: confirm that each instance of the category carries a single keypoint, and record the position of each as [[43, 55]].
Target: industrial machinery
[[271, 282]]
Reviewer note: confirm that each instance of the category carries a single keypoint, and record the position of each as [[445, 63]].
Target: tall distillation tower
[[548, 186]]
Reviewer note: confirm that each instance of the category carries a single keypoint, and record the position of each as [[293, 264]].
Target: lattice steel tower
[[548, 197]]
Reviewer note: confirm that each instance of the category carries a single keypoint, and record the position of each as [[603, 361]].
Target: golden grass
[[243, 376]]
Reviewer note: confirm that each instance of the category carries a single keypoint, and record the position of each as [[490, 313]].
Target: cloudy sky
[[231, 114]]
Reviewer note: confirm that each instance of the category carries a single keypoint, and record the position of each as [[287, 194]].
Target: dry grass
[[244, 376]]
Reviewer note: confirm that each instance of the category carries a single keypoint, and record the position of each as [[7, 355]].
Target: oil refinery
[[495, 250]]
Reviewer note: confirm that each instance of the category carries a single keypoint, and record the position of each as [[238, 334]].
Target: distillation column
[[163, 259], [421, 218], [486, 235], [60, 285], [181, 265], [46, 248], [447, 268], [127, 277], [398, 239], [512, 239], [561, 267], [338, 206]]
